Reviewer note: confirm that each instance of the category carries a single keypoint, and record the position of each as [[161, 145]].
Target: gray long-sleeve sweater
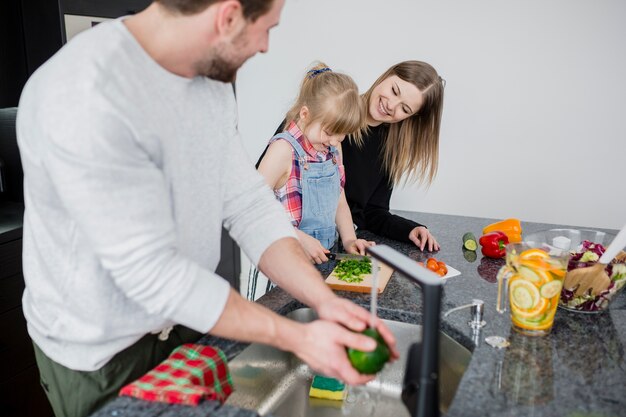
[[130, 172]]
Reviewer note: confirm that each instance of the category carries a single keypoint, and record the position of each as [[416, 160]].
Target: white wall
[[534, 119]]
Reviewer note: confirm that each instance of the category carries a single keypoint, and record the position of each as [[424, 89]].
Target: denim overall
[[321, 189]]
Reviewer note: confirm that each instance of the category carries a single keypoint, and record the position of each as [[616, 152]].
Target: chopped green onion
[[352, 270]]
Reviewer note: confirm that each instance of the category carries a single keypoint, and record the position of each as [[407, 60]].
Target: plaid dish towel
[[190, 374]]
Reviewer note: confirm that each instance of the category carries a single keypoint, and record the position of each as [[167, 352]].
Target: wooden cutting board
[[364, 286]]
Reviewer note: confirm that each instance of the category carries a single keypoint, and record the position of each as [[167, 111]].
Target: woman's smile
[[381, 108]]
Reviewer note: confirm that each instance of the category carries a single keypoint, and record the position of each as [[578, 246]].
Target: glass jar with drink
[[532, 280]]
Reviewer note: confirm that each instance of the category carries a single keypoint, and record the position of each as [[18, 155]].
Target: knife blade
[[339, 256]]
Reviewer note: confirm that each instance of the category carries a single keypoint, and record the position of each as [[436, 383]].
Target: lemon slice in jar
[[534, 314], [524, 294]]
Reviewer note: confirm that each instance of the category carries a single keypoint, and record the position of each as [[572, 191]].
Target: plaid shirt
[[290, 194]]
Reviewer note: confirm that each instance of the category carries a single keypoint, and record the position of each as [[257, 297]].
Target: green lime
[[370, 362]]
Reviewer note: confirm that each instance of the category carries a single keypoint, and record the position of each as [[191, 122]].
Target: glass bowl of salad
[[585, 246]]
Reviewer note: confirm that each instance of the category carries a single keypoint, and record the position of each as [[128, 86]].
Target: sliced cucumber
[[523, 298], [550, 289], [528, 274], [469, 241], [524, 294]]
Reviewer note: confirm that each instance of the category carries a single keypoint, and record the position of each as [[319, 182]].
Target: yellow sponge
[[327, 388]]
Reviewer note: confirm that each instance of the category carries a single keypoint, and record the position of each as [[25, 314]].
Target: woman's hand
[[357, 246], [422, 238], [312, 247]]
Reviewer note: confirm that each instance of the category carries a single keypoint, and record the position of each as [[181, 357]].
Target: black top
[[368, 188]]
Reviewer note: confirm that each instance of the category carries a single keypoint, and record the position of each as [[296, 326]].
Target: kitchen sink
[[274, 382]]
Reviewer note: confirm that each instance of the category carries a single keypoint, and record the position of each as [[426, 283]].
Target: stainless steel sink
[[271, 381]]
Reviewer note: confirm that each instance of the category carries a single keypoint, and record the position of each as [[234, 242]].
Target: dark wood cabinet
[[21, 394]]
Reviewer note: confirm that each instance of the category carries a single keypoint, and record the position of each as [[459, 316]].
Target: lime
[[370, 362]]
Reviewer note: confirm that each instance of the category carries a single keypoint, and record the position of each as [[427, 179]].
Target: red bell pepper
[[493, 244]]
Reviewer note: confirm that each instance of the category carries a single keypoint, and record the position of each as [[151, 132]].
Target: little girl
[[303, 164]]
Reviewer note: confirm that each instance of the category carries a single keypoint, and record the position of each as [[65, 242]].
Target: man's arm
[[285, 263], [321, 344]]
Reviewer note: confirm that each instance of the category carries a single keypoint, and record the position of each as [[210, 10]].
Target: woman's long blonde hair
[[332, 99], [412, 145]]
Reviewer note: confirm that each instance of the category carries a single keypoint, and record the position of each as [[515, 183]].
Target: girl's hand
[[357, 246], [312, 247], [422, 238]]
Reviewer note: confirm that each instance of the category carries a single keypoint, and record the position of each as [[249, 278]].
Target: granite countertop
[[578, 370]]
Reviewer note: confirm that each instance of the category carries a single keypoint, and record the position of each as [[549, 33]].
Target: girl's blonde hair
[[412, 145], [332, 99]]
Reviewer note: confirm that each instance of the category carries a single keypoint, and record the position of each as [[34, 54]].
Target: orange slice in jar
[[534, 253], [535, 263], [558, 273], [543, 325], [535, 259]]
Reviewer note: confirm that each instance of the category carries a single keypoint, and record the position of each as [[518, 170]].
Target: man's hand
[[354, 317], [323, 348], [357, 246], [321, 344], [422, 238], [313, 248]]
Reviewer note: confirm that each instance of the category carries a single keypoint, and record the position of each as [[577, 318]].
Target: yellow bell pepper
[[512, 228]]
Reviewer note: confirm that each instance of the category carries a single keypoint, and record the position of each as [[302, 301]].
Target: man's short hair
[[252, 9]]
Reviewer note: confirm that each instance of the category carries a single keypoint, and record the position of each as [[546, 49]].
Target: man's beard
[[222, 64], [218, 69]]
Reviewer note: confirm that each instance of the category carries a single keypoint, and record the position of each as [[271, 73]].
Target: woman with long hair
[[400, 144]]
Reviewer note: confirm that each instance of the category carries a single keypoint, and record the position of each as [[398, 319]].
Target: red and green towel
[[191, 373]]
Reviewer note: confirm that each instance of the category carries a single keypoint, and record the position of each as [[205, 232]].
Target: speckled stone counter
[[578, 370]]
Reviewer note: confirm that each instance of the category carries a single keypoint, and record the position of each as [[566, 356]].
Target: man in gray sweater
[[132, 164]]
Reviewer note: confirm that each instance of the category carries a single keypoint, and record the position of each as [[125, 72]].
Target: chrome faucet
[[420, 392], [477, 309]]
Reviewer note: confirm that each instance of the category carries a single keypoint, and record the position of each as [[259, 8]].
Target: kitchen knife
[[339, 256]]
